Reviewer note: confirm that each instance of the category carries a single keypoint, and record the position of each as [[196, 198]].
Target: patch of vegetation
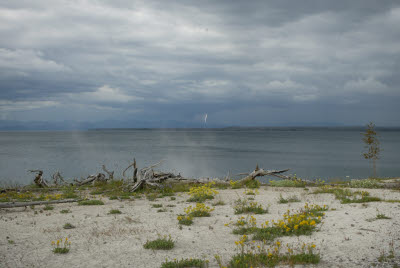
[[162, 210], [366, 183], [200, 210], [185, 219], [287, 183], [173, 198], [382, 216], [252, 183], [243, 206], [68, 226], [291, 199], [115, 211], [303, 222], [156, 205], [65, 211], [251, 255], [93, 202], [48, 207], [346, 196], [202, 193], [152, 196], [164, 243], [61, 247], [184, 263]]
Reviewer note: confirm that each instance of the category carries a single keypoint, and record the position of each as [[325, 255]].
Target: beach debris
[[39, 180]]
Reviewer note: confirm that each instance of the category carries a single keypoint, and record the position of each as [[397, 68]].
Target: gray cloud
[[258, 63]]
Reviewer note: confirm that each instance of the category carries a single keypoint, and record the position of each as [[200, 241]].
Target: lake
[[324, 153]]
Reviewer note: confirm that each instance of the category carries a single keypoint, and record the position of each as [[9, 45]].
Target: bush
[[164, 243], [93, 202]]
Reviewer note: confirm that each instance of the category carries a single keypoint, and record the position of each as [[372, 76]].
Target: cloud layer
[[242, 63]]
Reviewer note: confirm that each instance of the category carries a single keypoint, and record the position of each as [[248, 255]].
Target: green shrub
[[164, 243], [68, 226], [92, 202], [115, 211], [184, 263]]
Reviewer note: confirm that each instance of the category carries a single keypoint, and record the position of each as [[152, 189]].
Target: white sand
[[345, 239]]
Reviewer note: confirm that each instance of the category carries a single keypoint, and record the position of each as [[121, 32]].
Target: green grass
[[381, 216], [365, 183], [346, 196], [65, 211], [291, 199], [48, 207], [243, 206], [164, 243], [115, 211], [68, 226], [245, 260], [287, 183], [92, 202], [200, 199], [185, 263], [156, 205], [61, 250], [185, 220], [162, 210]]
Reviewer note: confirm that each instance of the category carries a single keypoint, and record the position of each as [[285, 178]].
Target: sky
[[117, 63]]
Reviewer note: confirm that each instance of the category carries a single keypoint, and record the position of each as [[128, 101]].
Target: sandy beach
[[349, 235]]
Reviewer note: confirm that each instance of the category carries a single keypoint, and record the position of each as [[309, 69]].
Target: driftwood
[[110, 173], [135, 170], [91, 179], [39, 180], [35, 203], [147, 176], [57, 178]]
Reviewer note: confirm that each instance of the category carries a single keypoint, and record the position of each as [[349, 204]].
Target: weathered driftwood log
[[135, 170], [147, 176], [91, 179], [57, 178], [39, 180], [110, 173], [35, 203]]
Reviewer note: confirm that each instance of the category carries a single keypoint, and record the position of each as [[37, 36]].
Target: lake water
[[325, 153]]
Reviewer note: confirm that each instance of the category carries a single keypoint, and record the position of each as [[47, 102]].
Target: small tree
[[372, 144]]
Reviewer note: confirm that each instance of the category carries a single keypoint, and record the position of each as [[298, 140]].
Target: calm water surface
[[309, 152]]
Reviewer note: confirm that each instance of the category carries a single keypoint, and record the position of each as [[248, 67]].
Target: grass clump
[[48, 207], [287, 183], [61, 247], [184, 263], [185, 220], [252, 255], [243, 206], [303, 222], [68, 226], [93, 202], [162, 243], [115, 211], [202, 193], [346, 196], [162, 210], [200, 210], [366, 183], [65, 211], [291, 199], [156, 206]]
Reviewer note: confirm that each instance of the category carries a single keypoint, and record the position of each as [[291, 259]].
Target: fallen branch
[[35, 203]]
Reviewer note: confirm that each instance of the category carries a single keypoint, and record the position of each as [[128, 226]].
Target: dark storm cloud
[[243, 63]]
